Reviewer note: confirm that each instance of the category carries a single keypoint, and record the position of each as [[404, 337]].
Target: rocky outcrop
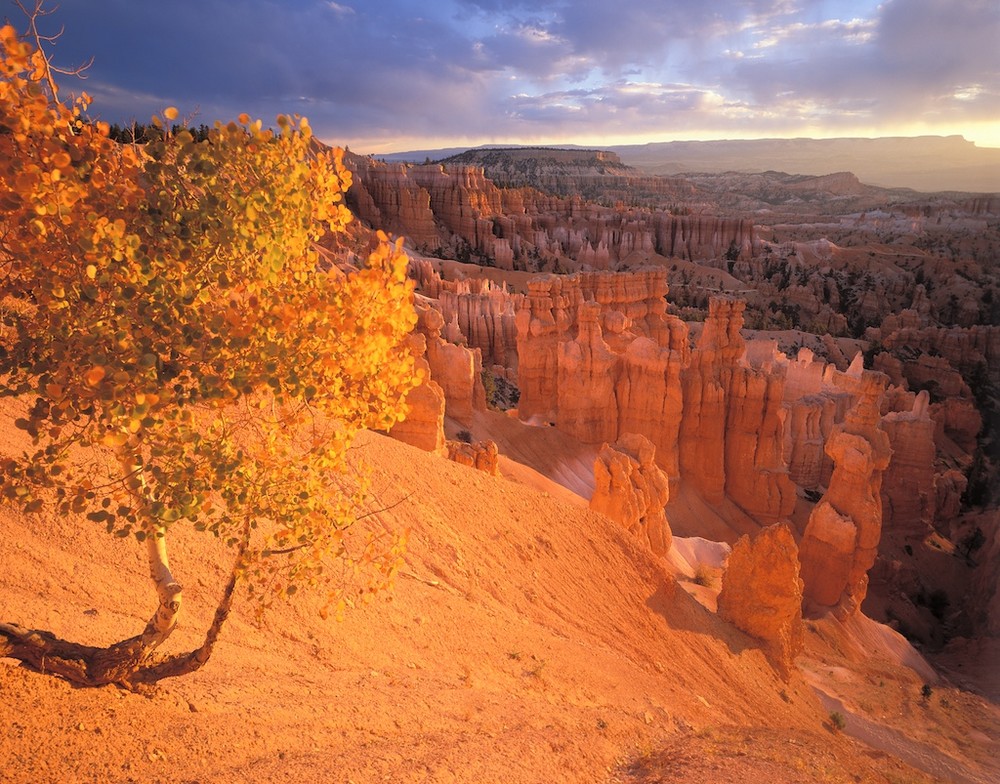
[[985, 586], [587, 372], [908, 486], [841, 539], [477, 312], [963, 347], [423, 426], [731, 436], [455, 368], [481, 455], [762, 593], [598, 356], [632, 490]]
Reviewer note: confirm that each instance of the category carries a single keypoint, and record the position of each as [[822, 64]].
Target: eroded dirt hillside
[[528, 640]]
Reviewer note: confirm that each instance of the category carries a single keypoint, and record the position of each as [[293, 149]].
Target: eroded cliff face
[[598, 356], [457, 208], [630, 488], [451, 384], [731, 436], [909, 487], [423, 426], [733, 420]]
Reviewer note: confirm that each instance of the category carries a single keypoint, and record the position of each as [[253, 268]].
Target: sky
[[390, 75]]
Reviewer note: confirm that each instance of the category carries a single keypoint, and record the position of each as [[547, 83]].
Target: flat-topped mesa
[[841, 539], [731, 437]]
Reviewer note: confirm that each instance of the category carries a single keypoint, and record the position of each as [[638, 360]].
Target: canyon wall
[[459, 209]]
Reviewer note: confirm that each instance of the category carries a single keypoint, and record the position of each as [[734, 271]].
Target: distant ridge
[[923, 163]]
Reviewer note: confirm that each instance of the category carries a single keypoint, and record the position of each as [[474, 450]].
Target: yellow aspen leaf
[[170, 113], [95, 375], [91, 271], [115, 439]]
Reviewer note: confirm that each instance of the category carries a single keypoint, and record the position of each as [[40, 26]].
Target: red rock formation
[[731, 436], [762, 593], [908, 487], [841, 539], [424, 423], [599, 356], [632, 490], [949, 485], [985, 585], [587, 408], [482, 455], [455, 368], [458, 206]]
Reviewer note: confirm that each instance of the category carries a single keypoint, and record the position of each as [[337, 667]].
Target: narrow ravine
[[912, 752]]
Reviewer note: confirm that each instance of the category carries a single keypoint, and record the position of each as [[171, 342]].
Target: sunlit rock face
[[841, 539], [477, 313], [454, 367], [458, 208], [423, 426], [481, 455], [599, 356], [762, 592], [731, 438], [632, 490]]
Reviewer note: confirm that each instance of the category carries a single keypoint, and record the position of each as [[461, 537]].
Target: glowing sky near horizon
[[390, 75]]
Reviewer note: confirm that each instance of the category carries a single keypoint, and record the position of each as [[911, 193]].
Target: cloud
[[482, 70]]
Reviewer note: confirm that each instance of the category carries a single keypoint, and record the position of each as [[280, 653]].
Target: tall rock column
[[543, 321], [841, 539], [649, 398], [588, 369], [702, 431], [908, 489], [455, 368], [757, 476], [423, 426], [732, 430]]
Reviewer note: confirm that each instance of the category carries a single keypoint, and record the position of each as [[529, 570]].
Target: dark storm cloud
[[366, 66], [519, 69]]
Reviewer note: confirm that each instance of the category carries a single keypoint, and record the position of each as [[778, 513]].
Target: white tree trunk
[[167, 589]]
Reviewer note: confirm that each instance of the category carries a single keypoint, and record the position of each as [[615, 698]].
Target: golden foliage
[[164, 312]]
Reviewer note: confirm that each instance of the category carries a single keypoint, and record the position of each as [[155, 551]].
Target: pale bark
[[131, 663], [167, 589]]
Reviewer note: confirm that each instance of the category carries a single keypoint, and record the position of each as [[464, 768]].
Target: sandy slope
[[528, 641]]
